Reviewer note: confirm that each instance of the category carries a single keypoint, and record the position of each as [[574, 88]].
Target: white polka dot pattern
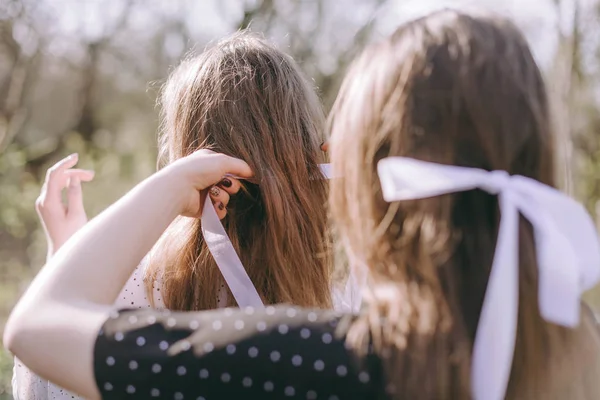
[[134, 296], [273, 353], [275, 356], [297, 360]]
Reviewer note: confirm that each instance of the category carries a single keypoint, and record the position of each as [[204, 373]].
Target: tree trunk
[[562, 77]]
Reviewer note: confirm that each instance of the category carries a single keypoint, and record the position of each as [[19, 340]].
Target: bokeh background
[[83, 76]]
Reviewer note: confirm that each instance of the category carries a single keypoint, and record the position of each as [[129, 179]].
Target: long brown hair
[[244, 98], [460, 90]]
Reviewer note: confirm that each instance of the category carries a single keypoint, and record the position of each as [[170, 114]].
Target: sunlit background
[[83, 75]]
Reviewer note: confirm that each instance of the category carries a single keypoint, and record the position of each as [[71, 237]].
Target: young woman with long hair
[[244, 98], [442, 148]]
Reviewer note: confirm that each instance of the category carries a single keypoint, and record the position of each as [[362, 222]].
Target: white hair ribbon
[[567, 248], [227, 260]]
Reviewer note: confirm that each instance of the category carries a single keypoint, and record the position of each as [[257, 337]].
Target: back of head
[[244, 98], [452, 89]]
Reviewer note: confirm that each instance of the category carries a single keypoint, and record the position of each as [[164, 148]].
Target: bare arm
[[60, 221], [71, 297], [59, 316]]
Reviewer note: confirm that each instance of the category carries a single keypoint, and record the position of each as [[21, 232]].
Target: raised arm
[[54, 326], [60, 221]]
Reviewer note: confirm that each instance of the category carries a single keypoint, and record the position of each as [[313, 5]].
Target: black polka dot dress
[[273, 353], [26, 385]]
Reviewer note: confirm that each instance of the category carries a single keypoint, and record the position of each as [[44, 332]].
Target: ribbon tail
[[227, 260], [557, 229], [493, 349]]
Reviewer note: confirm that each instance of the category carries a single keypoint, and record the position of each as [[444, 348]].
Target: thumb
[[237, 168], [74, 197]]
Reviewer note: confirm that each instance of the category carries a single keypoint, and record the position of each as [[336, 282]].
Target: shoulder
[[267, 353], [135, 292]]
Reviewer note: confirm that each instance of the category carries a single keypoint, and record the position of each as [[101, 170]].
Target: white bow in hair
[[567, 248], [227, 260]]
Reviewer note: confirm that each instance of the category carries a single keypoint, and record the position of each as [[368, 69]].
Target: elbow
[[18, 330], [13, 334]]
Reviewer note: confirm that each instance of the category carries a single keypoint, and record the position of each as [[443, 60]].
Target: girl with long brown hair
[[244, 98], [441, 142]]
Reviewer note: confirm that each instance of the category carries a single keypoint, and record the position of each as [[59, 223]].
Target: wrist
[[169, 185], [53, 246]]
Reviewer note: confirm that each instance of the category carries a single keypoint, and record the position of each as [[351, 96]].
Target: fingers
[[230, 185], [74, 196], [84, 175], [58, 177], [221, 194], [209, 168], [49, 200], [251, 180], [55, 181], [220, 199], [237, 167]]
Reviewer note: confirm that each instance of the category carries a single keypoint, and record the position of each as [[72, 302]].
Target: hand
[[220, 194], [205, 171], [61, 221]]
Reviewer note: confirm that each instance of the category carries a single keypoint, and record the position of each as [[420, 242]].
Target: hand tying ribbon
[[567, 248], [227, 260]]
